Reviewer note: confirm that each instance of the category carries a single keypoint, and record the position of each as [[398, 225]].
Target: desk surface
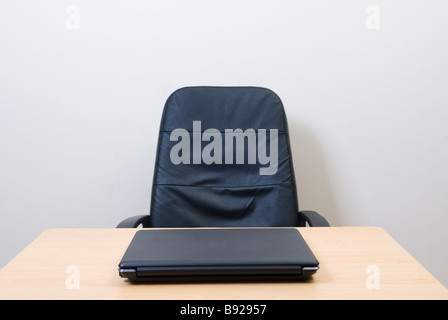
[[356, 263]]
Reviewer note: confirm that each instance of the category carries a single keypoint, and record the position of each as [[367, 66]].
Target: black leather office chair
[[224, 160]]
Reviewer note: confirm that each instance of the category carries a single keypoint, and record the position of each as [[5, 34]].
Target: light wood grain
[[344, 253]]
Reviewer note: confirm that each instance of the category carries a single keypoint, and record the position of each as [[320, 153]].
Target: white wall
[[367, 108]]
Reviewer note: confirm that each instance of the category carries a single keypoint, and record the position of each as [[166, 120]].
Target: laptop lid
[[213, 254]]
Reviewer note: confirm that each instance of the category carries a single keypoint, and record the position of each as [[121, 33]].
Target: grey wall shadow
[[314, 188]]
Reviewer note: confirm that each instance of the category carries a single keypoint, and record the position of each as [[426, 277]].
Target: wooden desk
[[356, 263]]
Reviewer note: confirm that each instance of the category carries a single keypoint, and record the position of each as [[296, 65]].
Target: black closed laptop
[[228, 254]]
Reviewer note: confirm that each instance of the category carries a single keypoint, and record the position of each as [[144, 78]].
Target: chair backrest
[[223, 160]]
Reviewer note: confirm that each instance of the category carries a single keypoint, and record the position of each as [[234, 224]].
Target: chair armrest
[[313, 218], [135, 221]]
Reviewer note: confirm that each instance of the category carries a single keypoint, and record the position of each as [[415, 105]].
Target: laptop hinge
[[127, 273], [308, 271], [224, 270]]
